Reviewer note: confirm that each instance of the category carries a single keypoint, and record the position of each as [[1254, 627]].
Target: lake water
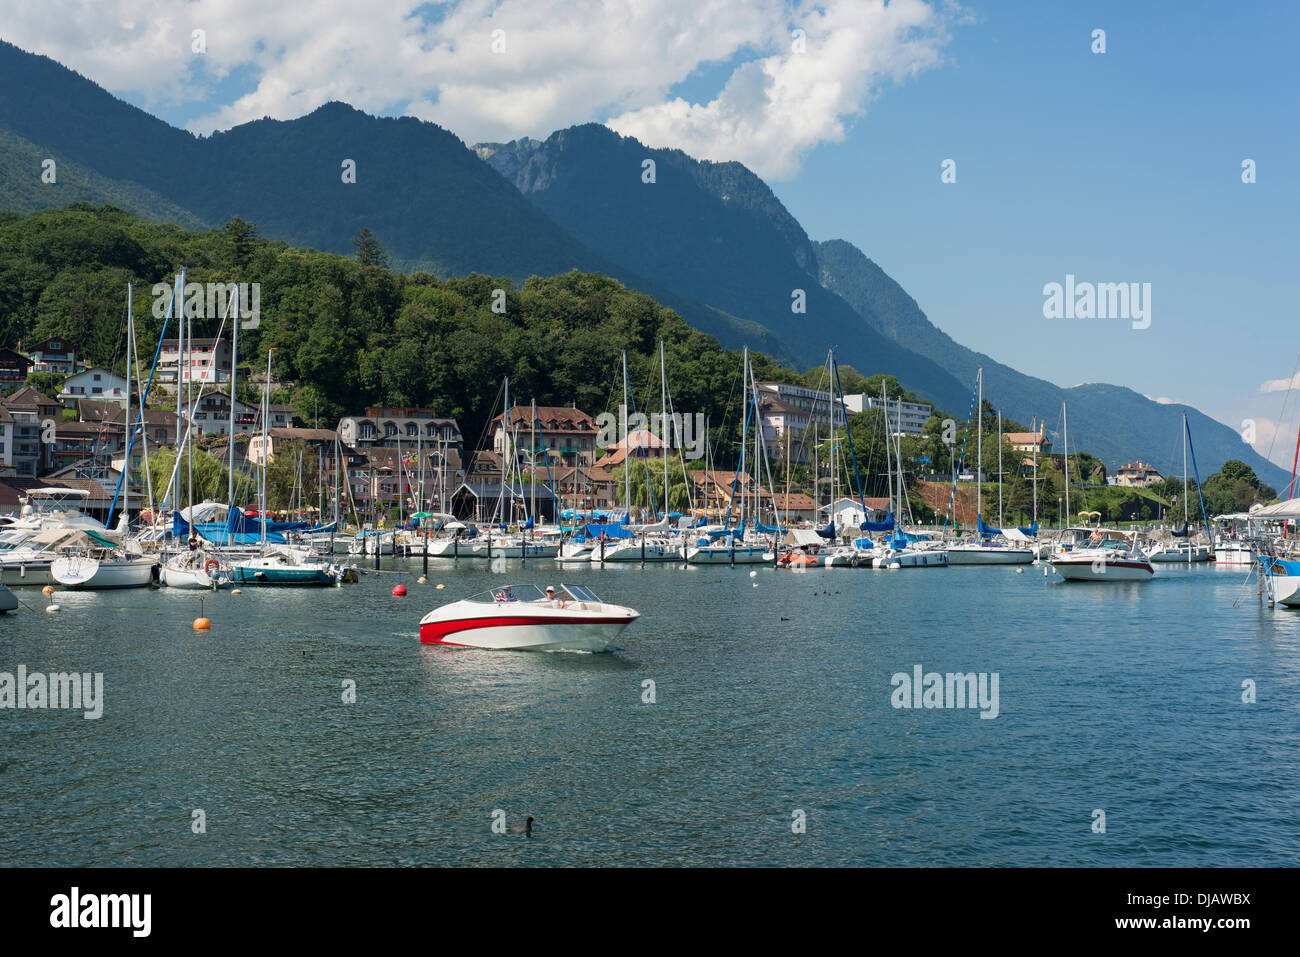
[[770, 700]]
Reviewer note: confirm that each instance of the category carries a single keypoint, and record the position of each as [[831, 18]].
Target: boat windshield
[[509, 593], [578, 593]]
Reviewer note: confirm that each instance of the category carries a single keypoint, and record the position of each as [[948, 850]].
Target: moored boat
[[522, 617]]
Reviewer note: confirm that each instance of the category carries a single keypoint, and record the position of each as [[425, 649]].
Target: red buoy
[[399, 591]]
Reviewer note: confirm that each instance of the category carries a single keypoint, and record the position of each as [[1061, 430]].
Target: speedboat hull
[[525, 633], [1077, 566], [509, 624]]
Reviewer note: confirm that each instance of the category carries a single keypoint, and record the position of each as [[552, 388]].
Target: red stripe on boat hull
[[436, 632]]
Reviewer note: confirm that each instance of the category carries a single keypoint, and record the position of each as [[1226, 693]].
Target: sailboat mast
[[126, 421], [999, 468], [889, 471], [266, 450], [189, 392], [1184, 468], [979, 448], [1065, 428], [532, 508], [627, 447], [234, 371], [180, 347], [663, 419], [1039, 433]]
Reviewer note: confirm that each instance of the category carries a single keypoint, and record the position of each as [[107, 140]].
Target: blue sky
[[1123, 166], [1115, 167]]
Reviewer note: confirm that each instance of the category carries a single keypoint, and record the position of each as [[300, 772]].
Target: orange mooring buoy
[[202, 624], [47, 590], [399, 591]]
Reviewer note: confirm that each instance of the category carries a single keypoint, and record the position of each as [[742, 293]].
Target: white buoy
[[51, 608], [1020, 571], [753, 574]]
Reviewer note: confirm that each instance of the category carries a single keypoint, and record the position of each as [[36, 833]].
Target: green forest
[[350, 332]]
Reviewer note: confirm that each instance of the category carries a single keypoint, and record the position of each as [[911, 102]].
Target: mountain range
[[710, 240]]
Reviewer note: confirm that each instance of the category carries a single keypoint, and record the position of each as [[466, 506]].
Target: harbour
[[770, 695]]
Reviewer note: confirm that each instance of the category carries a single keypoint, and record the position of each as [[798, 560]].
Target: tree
[[211, 476], [242, 238], [369, 251]]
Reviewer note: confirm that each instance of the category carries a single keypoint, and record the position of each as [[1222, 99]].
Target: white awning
[[1288, 509]]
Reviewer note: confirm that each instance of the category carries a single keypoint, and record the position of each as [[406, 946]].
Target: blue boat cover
[[1182, 533], [609, 531], [885, 526]]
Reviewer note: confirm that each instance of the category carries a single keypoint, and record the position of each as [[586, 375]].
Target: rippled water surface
[[773, 695]]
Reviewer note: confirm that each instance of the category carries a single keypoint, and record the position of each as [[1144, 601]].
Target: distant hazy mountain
[[1114, 423], [712, 232]]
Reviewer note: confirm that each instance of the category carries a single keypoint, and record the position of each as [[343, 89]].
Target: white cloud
[[565, 62], [773, 110], [1280, 385]]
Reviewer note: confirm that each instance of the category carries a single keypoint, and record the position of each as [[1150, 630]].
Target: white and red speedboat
[[524, 618], [1105, 555]]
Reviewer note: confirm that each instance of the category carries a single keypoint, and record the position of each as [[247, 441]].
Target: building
[[389, 427], [208, 360], [32, 416], [794, 507], [320, 441], [14, 367], [98, 384], [212, 416], [905, 418], [53, 355], [78, 441], [642, 444], [848, 512], [585, 488], [1137, 475], [158, 425], [568, 435], [817, 403], [1026, 441]]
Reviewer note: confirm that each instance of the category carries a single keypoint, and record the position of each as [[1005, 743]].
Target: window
[[411, 428], [431, 431], [96, 376], [390, 429]]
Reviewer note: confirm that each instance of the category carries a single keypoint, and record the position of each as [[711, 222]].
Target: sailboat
[[990, 546], [280, 564], [731, 546], [652, 542], [1181, 548], [96, 561], [197, 566], [902, 549]]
